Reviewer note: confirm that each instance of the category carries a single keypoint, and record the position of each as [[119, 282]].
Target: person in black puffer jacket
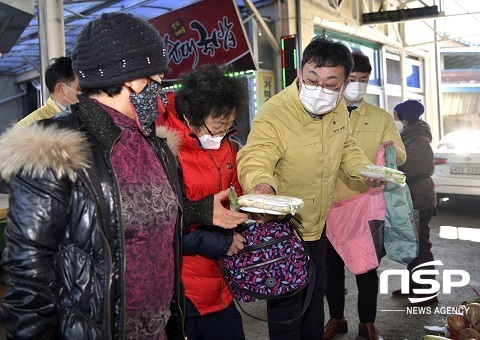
[[93, 237], [419, 168]]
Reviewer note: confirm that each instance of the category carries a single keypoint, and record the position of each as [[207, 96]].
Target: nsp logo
[[447, 279]]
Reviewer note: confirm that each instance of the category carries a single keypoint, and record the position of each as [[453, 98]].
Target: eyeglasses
[[312, 87], [222, 132]]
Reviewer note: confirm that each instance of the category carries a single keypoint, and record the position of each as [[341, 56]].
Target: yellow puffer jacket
[[299, 155], [371, 126], [47, 111]]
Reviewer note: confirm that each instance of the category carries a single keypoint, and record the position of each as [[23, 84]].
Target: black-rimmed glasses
[[223, 132], [312, 87]]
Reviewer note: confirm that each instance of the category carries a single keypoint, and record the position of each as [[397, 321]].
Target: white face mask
[[355, 91], [317, 101], [68, 100], [399, 125], [210, 143]]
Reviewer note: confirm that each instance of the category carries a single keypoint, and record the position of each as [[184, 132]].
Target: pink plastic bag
[[354, 223]]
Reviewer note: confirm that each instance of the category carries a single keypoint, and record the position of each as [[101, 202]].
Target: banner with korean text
[[206, 32]]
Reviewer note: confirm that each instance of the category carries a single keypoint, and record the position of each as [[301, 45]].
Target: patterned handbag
[[273, 264]]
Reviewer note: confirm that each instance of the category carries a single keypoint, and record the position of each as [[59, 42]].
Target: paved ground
[[400, 325], [454, 253]]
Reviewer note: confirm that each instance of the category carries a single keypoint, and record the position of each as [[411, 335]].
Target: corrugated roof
[[25, 55]]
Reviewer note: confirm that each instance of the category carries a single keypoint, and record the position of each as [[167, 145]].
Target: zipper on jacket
[[122, 237], [221, 188], [218, 168], [243, 270], [221, 296], [110, 275]]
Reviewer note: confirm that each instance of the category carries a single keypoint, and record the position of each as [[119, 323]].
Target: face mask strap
[[68, 100], [130, 89], [68, 87], [149, 80]]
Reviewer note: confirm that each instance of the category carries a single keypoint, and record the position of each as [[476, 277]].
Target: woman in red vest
[[203, 113]]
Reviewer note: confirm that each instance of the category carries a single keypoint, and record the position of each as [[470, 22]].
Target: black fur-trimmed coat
[[64, 251]]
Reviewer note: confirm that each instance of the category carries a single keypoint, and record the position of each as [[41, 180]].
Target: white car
[[457, 165]]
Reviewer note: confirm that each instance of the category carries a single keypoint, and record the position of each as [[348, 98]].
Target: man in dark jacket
[[419, 168], [96, 208]]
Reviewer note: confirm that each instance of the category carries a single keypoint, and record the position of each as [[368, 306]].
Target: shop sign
[[266, 87], [195, 36], [400, 15]]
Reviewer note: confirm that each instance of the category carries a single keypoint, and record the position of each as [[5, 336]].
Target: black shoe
[[398, 292]]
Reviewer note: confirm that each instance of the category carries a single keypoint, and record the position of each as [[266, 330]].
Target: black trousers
[[222, 325], [424, 244], [310, 326], [367, 285]]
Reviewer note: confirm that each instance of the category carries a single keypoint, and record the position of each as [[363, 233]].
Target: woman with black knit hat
[[419, 168], [96, 208]]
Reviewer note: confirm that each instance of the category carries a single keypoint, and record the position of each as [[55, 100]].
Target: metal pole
[[438, 76], [402, 63], [51, 34], [438, 81], [266, 30], [298, 15]]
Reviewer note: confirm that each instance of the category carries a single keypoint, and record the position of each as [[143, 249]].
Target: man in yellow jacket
[[372, 128], [62, 83], [299, 140]]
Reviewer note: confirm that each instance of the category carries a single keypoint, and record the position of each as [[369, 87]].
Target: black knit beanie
[[410, 110], [116, 48]]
